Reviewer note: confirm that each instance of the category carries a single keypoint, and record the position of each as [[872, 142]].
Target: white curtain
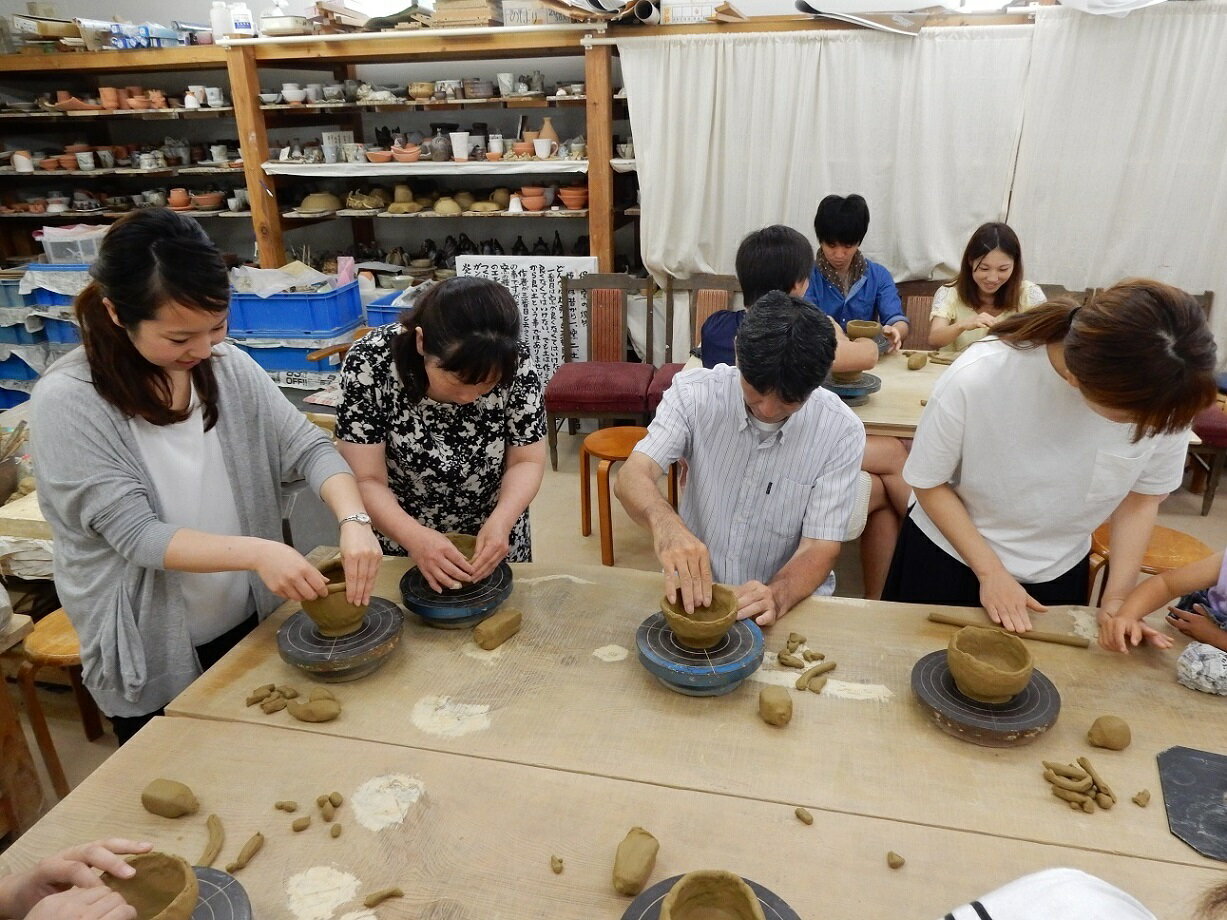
[[733, 133], [1122, 166]]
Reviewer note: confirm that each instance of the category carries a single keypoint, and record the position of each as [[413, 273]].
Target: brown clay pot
[[989, 665], [466, 543], [711, 893], [863, 329], [333, 615], [534, 203], [164, 887], [707, 625], [179, 198]]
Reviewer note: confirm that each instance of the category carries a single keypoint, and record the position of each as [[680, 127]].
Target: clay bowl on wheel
[[707, 625], [863, 329], [164, 887], [333, 615], [711, 893], [466, 543], [989, 665]]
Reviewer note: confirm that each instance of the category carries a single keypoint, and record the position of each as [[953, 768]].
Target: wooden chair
[[1208, 457], [609, 446], [606, 386], [1168, 549], [708, 294], [321, 353], [53, 644], [917, 297]]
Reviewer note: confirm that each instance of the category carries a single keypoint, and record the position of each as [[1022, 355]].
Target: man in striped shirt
[[773, 461]]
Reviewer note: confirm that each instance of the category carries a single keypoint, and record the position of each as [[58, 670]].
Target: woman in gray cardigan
[[159, 455]]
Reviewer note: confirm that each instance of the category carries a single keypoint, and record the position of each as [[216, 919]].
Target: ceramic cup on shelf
[[315, 92], [544, 148], [494, 143], [23, 161], [233, 203], [191, 100], [105, 157], [506, 83], [198, 91], [85, 160], [217, 153], [332, 153], [213, 95], [626, 151], [460, 145], [241, 195]]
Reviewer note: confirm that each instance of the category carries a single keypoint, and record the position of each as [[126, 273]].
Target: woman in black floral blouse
[[442, 420]]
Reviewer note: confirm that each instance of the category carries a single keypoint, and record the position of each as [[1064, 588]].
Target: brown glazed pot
[[711, 894], [164, 887], [707, 625], [989, 665]]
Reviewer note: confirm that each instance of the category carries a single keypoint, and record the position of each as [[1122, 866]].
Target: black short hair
[[785, 346], [774, 258], [842, 220]]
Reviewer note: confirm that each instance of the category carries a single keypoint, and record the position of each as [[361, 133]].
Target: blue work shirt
[[872, 297], [718, 335]]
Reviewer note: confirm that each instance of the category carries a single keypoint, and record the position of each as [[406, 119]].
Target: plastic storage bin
[[81, 250], [18, 334], [381, 312], [10, 296], [13, 368], [41, 297], [293, 357], [61, 331], [11, 398], [297, 315]]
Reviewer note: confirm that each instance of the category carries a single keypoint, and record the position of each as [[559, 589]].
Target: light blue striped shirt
[[750, 500]]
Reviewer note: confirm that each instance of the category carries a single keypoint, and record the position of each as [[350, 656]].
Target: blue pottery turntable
[[699, 672], [468, 605], [856, 392]]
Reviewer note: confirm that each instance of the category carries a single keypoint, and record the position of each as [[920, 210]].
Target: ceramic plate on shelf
[[313, 212]]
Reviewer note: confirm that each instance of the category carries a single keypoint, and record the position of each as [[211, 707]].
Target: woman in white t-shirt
[[989, 287], [1064, 418]]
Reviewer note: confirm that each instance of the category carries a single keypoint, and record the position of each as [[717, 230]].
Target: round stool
[[609, 445], [54, 644], [1168, 549]]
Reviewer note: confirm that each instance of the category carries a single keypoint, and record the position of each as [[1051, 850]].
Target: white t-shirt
[[1037, 469], [189, 473], [948, 305], [1056, 894]]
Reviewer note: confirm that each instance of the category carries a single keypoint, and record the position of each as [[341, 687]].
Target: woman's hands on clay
[[686, 565], [441, 564], [1197, 624], [361, 555], [1118, 634], [493, 545], [755, 599], [1007, 602], [39, 893], [287, 574]]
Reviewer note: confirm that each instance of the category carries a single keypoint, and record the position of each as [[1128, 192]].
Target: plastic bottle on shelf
[[242, 24], [219, 19]]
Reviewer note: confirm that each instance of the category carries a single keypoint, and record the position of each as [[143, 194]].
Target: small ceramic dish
[[379, 156], [270, 98]]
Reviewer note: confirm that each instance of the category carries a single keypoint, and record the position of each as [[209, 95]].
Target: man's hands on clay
[[686, 565], [757, 601]]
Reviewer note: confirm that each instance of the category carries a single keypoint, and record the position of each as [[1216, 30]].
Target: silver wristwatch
[[361, 518]]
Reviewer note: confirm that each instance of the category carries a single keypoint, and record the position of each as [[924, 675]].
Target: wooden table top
[[895, 409], [548, 698], [17, 629], [478, 840], [23, 518]]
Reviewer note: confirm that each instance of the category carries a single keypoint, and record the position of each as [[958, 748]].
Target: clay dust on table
[[385, 801], [610, 653], [316, 893], [446, 718]]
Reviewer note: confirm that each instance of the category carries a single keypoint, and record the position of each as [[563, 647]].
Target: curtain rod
[[492, 31]]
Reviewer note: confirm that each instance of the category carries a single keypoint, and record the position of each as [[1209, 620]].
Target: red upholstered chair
[[606, 386], [708, 294], [1209, 456]]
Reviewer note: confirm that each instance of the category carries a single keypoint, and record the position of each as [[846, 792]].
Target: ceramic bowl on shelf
[[422, 90], [208, 201], [67, 160], [533, 202], [493, 156], [379, 156], [532, 191], [77, 148], [270, 98], [140, 103], [574, 198], [50, 163], [407, 154], [294, 96]]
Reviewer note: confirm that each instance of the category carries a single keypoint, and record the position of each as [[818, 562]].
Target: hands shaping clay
[[1110, 732], [169, 798], [711, 893], [634, 861], [707, 625], [333, 615], [164, 887]]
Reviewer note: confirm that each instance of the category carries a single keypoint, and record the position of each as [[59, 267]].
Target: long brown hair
[[148, 259], [1139, 346], [988, 237], [1214, 903]]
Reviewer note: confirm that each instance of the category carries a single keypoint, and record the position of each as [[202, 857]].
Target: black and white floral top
[[445, 461]]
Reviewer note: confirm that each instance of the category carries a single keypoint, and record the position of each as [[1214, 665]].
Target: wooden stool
[[53, 644], [609, 445], [1169, 549]]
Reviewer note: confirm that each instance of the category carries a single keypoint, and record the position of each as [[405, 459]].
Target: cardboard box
[[675, 13], [42, 27], [530, 13]]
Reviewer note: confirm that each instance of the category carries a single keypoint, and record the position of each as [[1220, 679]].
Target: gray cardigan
[[110, 542]]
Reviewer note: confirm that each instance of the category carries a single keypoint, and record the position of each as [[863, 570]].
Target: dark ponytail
[[148, 259], [1140, 346]]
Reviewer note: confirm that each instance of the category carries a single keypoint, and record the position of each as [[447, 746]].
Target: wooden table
[[21, 793], [478, 842], [895, 409], [545, 699]]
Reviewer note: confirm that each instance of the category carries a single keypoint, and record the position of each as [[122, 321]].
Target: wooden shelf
[[143, 115], [425, 168], [560, 214], [194, 57], [113, 215], [123, 171], [393, 48], [410, 105]]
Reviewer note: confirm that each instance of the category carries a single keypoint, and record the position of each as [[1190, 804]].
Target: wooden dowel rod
[[1035, 634]]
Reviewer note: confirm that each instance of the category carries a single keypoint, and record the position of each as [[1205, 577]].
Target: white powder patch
[[1085, 623], [364, 914], [477, 653], [772, 673], [443, 716], [610, 653], [316, 893], [846, 690], [559, 577], [384, 801]]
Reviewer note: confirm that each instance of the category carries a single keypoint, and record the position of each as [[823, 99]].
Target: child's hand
[[1197, 625], [1117, 634]]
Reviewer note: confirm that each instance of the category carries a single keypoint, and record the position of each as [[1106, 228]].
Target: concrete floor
[[556, 538]]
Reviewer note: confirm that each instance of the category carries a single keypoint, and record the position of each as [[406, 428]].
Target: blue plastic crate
[[292, 358], [13, 368], [61, 331], [10, 296], [44, 298], [381, 312], [10, 398], [18, 334], [300, 315]]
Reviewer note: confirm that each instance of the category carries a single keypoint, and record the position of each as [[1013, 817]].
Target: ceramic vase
[[440, 147], [547, 131]]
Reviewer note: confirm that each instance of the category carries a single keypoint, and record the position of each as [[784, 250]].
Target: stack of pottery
[[109, 97], [409, 153], [533, 197], [707, 625], [574, 197]]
